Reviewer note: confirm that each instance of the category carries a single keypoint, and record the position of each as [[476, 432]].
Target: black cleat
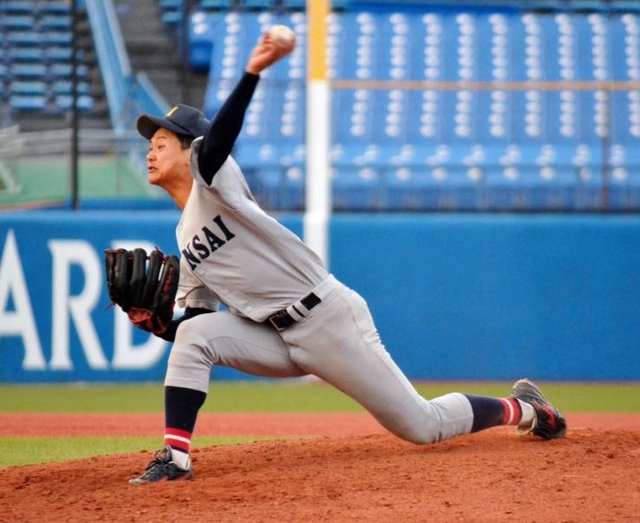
[[548, 423], [161, 468]]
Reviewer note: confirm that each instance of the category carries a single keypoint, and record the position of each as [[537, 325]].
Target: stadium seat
[[357, 189], [28, 88], [22, 22], [24, 55], [201, 36], [54, 7], [28, 71], [63, 70], [59, 54], [54, 22], [55, 38], [21, 102], [213, 5], [64, 102], [65, 87], [16, 8], [412, 189]]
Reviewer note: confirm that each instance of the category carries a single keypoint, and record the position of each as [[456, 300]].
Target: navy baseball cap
[[181, 119]]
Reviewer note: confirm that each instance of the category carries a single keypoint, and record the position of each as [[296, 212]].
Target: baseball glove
[[144, 286]]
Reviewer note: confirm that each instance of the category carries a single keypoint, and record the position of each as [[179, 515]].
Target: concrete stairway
[[154, 48]]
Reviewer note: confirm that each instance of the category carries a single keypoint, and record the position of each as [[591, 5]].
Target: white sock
[[528, 414], [181, 459]]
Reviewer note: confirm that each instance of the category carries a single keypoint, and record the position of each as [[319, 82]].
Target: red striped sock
[[512, 411], [178, 439]]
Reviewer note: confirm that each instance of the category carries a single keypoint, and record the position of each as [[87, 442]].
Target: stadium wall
[[455, 296]]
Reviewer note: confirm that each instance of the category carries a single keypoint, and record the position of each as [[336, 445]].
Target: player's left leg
[[339, 343]]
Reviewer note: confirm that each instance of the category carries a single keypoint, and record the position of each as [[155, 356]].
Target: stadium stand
[[546, 122], [36, 63]]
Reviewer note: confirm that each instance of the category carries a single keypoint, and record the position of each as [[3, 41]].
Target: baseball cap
[[181, 119]]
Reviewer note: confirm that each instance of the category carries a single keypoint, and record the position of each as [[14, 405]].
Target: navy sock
[[491, 412], [182, 407]]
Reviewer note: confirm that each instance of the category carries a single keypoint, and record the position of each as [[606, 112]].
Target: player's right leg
[[219, 338]]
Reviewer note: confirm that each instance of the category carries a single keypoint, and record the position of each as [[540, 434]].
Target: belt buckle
[[273, 319]]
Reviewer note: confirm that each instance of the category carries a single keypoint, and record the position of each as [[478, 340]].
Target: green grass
[[290, 396], [270, 396], [250, 396], [48, 180], [36, 450]]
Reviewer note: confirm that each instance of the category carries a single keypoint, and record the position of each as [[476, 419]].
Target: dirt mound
[[490, 477]]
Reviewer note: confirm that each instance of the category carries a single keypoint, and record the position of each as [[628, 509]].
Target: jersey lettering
[[227, 233], [214, 241], [197, 251], [203, 252]]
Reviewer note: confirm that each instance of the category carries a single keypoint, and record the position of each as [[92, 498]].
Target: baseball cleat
[[161, 468], [548, 422]]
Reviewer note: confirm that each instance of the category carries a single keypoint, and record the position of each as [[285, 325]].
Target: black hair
[[185, 140]]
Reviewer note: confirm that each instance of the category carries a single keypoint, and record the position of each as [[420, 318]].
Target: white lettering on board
[[77, 308], [21, 322]]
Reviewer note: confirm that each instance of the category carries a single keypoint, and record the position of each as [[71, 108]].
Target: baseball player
[[287, 315]]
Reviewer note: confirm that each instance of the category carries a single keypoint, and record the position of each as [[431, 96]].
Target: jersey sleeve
[[218, 141]]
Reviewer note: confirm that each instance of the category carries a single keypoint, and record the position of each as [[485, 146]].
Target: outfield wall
[[478, 297]]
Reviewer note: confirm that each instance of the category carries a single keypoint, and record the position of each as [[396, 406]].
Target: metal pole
[[318, 205], [75, 203]]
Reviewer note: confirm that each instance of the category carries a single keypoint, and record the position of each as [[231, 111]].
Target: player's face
[[166, 159]]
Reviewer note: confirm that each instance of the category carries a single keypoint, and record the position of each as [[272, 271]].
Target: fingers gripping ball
[[282, 36], [144, 286]]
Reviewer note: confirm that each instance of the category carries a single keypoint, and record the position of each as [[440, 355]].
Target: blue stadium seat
[[53, 7], [60, 70], [22, 22], [33, 87], [16, 8], [213, 5], [60, 54], [54, 22], [201, 35], [65, 87], [292, 194], [28, 71], [56, 38], [170, 4], [412, 189], [22, 102], [64, 102], [357, 189], [24, 55]]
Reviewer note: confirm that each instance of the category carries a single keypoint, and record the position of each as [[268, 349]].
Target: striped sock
[[180, 443], [512, 411]]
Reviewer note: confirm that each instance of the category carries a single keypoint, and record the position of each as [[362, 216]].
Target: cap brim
[[148, 125]]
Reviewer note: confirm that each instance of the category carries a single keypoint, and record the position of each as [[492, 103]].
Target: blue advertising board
[[478, 297]]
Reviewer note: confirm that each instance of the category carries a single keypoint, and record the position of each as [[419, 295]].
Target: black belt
[[282, 319]]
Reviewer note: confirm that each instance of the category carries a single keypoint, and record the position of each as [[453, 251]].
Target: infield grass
[[249, 396]]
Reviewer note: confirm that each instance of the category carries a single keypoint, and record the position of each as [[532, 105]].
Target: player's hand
[[265, 53]]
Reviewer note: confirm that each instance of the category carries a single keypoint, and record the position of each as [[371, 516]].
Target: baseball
[[282, 36]]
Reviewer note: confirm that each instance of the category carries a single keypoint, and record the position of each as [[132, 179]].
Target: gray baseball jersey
[[232, 247], [234, 252]]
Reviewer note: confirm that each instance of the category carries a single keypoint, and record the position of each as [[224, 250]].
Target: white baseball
[[282, 36]]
